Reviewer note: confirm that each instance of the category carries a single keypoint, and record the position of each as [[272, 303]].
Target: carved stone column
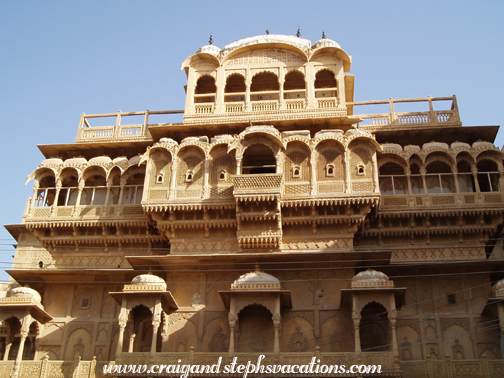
[[173, 178], [348, 184], [393, 321], [132, 337], [205, 193], [19, 357], [56, 198], [313, 170], [423, 171], [281, 100], [156, 321], [232, 324], [276, 326], [407, 171], [475, 177], [77, 201], [123, 320], [119, 202], [356, 323], [248, 105]]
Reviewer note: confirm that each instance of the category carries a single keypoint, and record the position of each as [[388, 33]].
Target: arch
[[78, 345], [294, 80], [256, 333], [392, 158], [441, 157], [140, 324], [235, 83], [488, 175], [95, 182], [205, 84], [325, 78], [374, 328], [160, 167], [133, 183], [361, 156], [330, 161], [392, 179], [439, 175], [264, 81], [297, 162], [465, 176], [259, 158], [221, 162], [95, 170]]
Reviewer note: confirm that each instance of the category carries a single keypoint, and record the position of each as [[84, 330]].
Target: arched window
[[294, 86], [46, 190], [235, 88], [258, 159], [465, 177], [416, 179], [69, 187], [325, 84], [95, 189], [392, 180], [439, 178], [205, 89], [266, 83], [374, 328], [488, 176]]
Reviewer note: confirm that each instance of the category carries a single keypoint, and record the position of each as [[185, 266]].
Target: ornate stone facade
[[273, 220]]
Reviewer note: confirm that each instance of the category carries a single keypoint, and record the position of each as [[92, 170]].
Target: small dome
[[121, 162], [324, 42], [256, 280], [209, 49], [52, 162], [25, 292], [301, 43], [100, 160], [75, 162], [498, 288], [148, 279], [134, 160], [371, 278]]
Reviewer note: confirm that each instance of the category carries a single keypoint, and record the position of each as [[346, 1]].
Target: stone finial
[[257, 270], [210, 41], [267, 32], [324, 36], [298, 34]]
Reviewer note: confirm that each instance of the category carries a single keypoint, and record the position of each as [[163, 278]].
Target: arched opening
[[267, 86], [46, 189], [235, 88], [258, 159], [439, 178], [95, 188], [133, 190], [325, 84], [141, 326], [69, 187], [205, 89], [374, 328], [488, 176], [392, 180], [11, 335], [29, 347], [256, 333], [465, 177], [294, 86]]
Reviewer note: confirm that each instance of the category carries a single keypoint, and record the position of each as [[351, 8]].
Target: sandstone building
[[276, 219]]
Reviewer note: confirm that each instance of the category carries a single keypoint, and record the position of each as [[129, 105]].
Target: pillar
[[173, 178], [156, 321], [205, 191], [123, 320], [19, 357], [423, 171], [313, 168], [475, 177], [232, 323]]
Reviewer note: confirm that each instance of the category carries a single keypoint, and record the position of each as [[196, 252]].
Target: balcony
[[258, 186]]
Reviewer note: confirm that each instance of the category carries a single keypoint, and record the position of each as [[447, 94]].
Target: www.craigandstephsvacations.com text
[[314, 367]]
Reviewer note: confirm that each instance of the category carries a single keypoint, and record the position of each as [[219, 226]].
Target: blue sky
[[60, 59]]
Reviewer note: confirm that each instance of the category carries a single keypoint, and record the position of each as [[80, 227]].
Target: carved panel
[[307, 315]]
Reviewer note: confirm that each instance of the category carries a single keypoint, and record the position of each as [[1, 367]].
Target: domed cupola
[[25, 292], [325, 42], [209, 49], [371, 278], [256, 280], [148, 282]]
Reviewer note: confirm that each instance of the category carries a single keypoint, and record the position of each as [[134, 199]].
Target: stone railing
[[258, 184], [446, 368], [88, 212], [430, 117], [88, 133], [264, 106], [327, 103], [490, 199]]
